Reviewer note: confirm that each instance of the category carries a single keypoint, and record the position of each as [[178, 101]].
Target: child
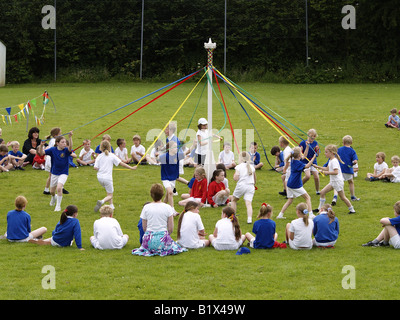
[[217, 194], [265, 230], [390, 233], [392, 174], [66, 230], [227, 234], [326, 228], [227, 157], [87, 156], [137, 150], [294, 186], [279, 160], [19, 223], [38, 160], [245, 176], [198, 193], [313, 149], [335, 176], [105, 137], [107, 231], [202, 140], [17, 155], [121, 152], [170, 171], [284, 145], [190, 233], [349, 159], [5, 159], [299, 231], [379, 167], [152, 158], [222, 167], [104, 165], [393, 120], [59, 167], [255, 156], [54, 133]]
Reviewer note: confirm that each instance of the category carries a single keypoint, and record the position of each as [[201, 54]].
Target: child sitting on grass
[[393, 120], [392, 174], [379, 167], [326, 228]]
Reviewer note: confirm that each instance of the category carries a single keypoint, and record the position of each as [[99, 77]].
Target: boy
[[392, 174], [279, 161], [287, 151], [87, 156], [107, 231], [105, 137], [227, 157], [349, 157], [393, 120], [379, 167], [137, 150], [255, 156], [17, 155], [19, 223], [313, 148], [121, 152], [5, 163]]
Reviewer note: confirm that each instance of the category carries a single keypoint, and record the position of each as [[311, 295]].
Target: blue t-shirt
[[323, 230], [18, 225], [2, 157], [59, 160], [98, 151], [255, 157], [296, 168], [64, 233], [170, 166], [348, 155], [18, 154], [282, 163], [311, 151], [264, 229], [395, 222]]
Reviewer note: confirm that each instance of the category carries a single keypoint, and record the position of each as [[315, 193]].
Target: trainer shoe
[[280, 216], [354, 198], [249, 220], [58, 208], [46, 192], [333, 203], [52, 201], [65, 191], [352, 212], [98, 205], [371, 244]]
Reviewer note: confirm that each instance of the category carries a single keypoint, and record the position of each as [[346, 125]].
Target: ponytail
[[105, 147], [68, 212], [230, 213], [189, 206], [329, 212], [245, 158], [302, 208]]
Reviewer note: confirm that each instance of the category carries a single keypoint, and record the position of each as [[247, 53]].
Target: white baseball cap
[[202, 121]]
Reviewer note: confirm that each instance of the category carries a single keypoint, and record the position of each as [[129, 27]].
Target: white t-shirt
[[302, 233], [244, 177], [203, 138], [226, 232], [105, 165], [396, 172], [156, 215], [332, 165], [122, 154], [87, 156], [286, 153], [139, 149], [107, 234], [380, 167], [227, 157], [190, 227]]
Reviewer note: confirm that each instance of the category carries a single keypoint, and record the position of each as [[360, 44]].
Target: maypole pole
[[209, 164]]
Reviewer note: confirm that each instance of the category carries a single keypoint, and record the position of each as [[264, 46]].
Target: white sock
[[59, 199], [46, 189], [280, 215], [321, 202], [351, 209]]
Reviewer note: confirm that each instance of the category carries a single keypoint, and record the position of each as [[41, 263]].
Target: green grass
[[333, 110]]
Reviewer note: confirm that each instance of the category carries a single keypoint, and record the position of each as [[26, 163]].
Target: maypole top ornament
[[210, 47]]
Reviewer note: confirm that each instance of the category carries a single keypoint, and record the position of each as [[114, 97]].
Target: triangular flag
[[21, 106], [23, 113], [8, 110], [9, 120], [26, 110], [15, 117], [2, 117], [19, 116]]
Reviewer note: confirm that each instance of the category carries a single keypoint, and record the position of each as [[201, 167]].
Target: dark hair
[[190, 205], [274, 150], [157, 192], [216, 173], [222, 167], [230, 213], [68, 212], [32, 131], [120, 141]]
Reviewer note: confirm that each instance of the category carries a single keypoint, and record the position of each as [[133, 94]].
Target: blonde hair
[[264, 210], [381, 155], [396, 207], [284, 140], [244, 157], [395, 158], [14, 143], [137, 137], [302, 208], [106, 211], [312, 132], [105, 147], [296, 152], [333, 149], [106, 137], [200, 171], [347, 139], [328, 209], [20, 203]]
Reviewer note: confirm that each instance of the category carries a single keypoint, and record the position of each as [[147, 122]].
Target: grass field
[[359, 110]]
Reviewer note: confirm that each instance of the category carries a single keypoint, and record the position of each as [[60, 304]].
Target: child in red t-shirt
[[198, 192], [217, 194]]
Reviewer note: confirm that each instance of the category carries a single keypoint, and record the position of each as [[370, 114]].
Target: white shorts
[[245, 191], [30, 237], [347, 176], [294, 247], [312, 169], [55, 179], [395, 179], [181, 171], [200, 244], [226, 246], [395, 241], [107, 184], [337, 185], [323, 244], [220, 200], [168, 184], [198, 200], [294, 193]]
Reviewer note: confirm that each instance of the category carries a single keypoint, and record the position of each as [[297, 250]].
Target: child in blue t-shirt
[[17, 155], [255, 156], [313, 148], [265, 230], [294, 187], [279, 161], [59, 167], [393, 120], [326, 228]]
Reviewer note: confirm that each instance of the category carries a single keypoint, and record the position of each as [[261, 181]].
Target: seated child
[[255, 156], [105, 137], [379, 167], [5, 159], [17, 155], [87, 156], [121, 152], [198, 192], [152, 158], [107, 231], [227, 157], [299, 231], [19, 223], [265, 230], [217, 194], [392, 174], [38, 160], [137, 150], [393, 119], [326, 228], [390, 233], [279, 161]]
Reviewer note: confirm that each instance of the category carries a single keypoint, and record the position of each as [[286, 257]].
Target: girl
[[264, 229], [190, 231], [66, 230], [326, 228], [39, 162], [198, 192], [299, 231], [202, 140], [104, 166], [336, 177], [227, 234], [313, 149], [59, 167], [217, 194], [294, 187], [245, 176]]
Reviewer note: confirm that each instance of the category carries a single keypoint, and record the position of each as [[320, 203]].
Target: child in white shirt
[[107, 231], [137, 150], [299, 231], [379, 167], [87, 157], [392, 174], [227, 157], [121, 152]]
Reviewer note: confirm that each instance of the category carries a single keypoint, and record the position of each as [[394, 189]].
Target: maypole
[[209, 164]]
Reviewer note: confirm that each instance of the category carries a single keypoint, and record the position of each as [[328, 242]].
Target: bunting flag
[[8, 117]]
